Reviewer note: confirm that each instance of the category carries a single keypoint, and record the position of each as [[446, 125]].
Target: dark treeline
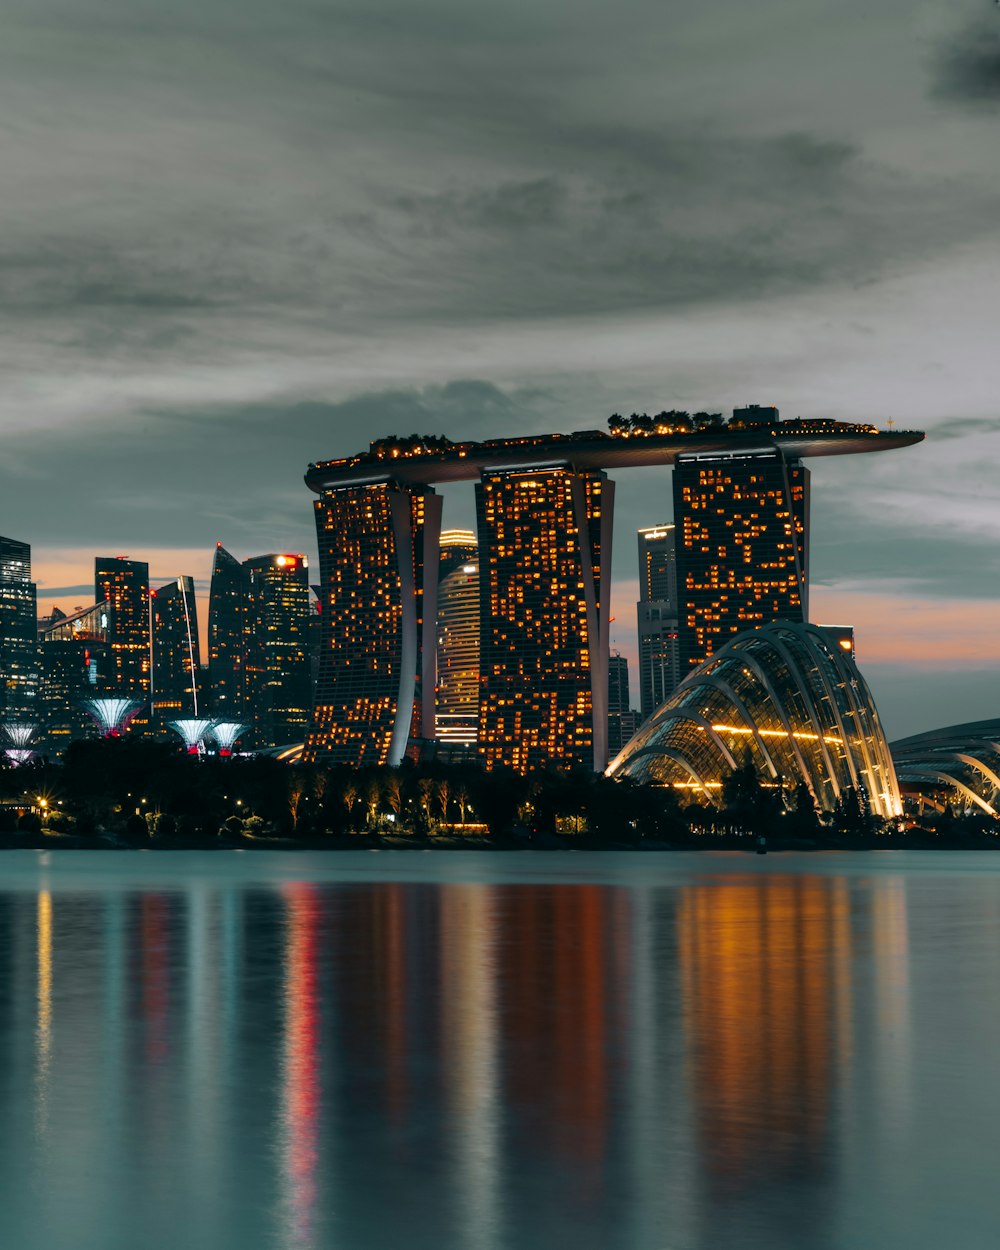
[[144, 793]]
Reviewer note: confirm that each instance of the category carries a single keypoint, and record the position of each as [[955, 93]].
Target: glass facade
[[545, 554], [18, 630], [278, 660], [786, 696], [228, 637], [656, 611], [176, 650], [379, 554], [123, 585], [742, 548], [957, 767]]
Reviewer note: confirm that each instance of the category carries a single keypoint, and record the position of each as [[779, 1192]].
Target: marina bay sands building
[[544, 511]]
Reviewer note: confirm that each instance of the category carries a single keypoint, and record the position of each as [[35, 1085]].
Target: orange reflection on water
[[43, 1029], [763, 965], [559, 1015], [301, 1085]]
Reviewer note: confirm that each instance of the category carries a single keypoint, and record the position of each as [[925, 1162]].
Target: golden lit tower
[[742, 522], [545, 569], [378, 557], [123, 585]]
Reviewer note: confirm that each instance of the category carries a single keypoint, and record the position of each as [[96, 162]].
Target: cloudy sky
[[239, 236]]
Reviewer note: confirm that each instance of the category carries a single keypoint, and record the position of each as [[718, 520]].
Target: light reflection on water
[[637, 1051]]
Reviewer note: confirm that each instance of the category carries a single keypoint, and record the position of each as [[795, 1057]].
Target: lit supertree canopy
[[19, 734], [225, 733], [112, 715], [191, 731]]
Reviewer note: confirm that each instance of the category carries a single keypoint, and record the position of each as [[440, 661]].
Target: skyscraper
[[123, 585], [176, 651], [458, 547], [458, 654], [659, 656], [18, 627], [229, 628], [278, 668], [545, 555], [622, 721], [75, 664], [742, 558], [379, 557]]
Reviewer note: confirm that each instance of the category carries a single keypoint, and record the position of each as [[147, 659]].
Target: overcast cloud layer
[[237, 237]]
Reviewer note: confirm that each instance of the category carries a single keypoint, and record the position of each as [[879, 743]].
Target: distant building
[[123, 585], [279, 683], [842, 635], [378, 555], [176, 651], [458, 547], [742, 522], [622, 720], [75, 664], [545, 538], [229, 629], [18, 646], [656, 611], [457, 713]]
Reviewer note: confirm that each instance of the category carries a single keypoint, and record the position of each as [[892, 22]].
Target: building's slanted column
[[378, 556], [545, 567]]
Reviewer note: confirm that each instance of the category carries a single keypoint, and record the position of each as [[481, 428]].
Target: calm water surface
[[499, 1052]]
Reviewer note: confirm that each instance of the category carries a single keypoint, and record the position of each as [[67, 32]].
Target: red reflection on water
[[155, 976], [301, 1058]]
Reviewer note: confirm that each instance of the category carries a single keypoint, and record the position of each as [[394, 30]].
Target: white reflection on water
[[470, 1051]]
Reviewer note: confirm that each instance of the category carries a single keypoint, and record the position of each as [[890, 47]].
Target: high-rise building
[[379, 556], [659, 655], [229, 629], [18, 642], [622, 720], [123, 585], [278, 669], [176, 651], [545, 556], [458, 655], [75, 664], [458, 547], [742, 555]]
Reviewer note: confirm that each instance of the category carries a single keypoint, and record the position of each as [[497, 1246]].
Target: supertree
[[191, 731], [225, 733], [20, 734], [112, 715]]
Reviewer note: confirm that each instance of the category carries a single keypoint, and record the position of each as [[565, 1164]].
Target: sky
[[238, 237]]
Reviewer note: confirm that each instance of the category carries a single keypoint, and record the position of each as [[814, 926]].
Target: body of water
[[429, 1051]]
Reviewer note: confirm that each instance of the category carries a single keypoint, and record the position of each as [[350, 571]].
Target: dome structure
[[957, 765], [786, 697]]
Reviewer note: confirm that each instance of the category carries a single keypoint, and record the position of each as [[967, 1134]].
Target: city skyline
[[519, 227]]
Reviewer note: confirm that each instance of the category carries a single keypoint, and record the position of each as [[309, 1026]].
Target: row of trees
[[664, 422], [137, 790]]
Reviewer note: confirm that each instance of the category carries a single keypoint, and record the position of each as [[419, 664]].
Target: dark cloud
[[968, 66]]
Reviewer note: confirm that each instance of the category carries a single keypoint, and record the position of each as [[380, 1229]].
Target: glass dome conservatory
[[789, 696]]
